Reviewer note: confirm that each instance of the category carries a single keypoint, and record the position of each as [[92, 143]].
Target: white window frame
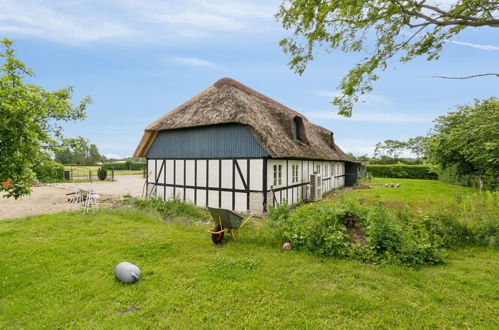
[[294, 173], [277, 175]]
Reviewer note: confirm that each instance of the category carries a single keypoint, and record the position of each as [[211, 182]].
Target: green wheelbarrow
[[226, 220]]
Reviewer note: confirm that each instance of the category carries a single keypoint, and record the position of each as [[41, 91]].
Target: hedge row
[[49, 171], [128, 165], [402, 171]]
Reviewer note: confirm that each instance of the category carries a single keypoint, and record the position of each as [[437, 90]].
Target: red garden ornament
[[7, 184]]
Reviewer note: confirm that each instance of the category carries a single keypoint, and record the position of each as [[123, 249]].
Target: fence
[[85, 174], [75, 173]]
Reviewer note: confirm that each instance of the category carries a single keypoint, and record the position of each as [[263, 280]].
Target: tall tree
[[402, 29], [29, 122], [79, 153], [468, 141], [392, 148], [418, 146]]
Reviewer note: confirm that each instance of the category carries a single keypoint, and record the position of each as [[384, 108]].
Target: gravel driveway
[[52, 198]]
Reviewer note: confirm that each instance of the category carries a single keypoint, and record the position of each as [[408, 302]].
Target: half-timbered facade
[[232, 147]]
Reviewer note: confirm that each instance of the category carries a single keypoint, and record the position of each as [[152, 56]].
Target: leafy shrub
[[327, 229], [402, 171], [451, 175], [102, 174], [126, 166], [49, 171], [173, 208], [479, 213], [383, 235]]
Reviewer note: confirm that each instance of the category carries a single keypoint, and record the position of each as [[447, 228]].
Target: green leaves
[[466, 142], [402, 29], [29, 118]]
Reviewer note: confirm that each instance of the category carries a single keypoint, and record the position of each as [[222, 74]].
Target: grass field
[[415, 193], [83, 171], [57, 272]]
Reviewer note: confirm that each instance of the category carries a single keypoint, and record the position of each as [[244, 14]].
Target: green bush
[[126, 166], [102, 174], [348, 229], [49, 171], [452, 175], [173, 208], [402, 171]]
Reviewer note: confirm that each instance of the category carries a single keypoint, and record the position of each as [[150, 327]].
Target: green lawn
[[57, 272], [426, 194], [83, 170]]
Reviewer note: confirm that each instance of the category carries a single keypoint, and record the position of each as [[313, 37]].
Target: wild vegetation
[[465, 143], [188, 282], [346, 228], [173, 208], [462, 148]]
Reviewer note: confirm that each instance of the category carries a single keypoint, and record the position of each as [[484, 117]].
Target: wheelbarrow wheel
[[217, 238]]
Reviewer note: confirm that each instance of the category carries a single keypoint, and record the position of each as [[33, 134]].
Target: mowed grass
[[427, 194], [57, 272], [83, 171]]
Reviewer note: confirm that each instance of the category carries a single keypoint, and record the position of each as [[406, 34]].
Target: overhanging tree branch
[[467, 77]]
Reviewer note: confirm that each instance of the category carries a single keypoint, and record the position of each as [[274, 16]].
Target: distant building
[[232, 147]]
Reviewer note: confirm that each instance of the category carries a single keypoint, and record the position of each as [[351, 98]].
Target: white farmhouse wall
[[212, 183], [292, 193], [208, 182]]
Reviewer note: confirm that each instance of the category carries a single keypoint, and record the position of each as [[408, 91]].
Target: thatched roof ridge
[[229, 101]]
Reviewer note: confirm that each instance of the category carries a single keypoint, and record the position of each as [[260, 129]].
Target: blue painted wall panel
[[218, 141]]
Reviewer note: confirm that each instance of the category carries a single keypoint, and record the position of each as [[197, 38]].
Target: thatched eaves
[[229, 101]]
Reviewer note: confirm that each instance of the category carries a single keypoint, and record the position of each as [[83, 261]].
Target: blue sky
[[140, 59]]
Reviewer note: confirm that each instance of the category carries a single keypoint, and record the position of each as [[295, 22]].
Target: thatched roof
[[229, 101]]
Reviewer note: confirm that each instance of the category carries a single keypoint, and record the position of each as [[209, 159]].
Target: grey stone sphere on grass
[[127, 273]]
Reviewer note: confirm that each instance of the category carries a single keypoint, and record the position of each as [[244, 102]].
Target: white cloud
[[191, 61], [477, 46], [112, 156], [357, 146], [372, 117], [367, 98], [83, 21], [57, 23]]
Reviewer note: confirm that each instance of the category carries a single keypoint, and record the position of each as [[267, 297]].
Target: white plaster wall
[[169, 171], [227, 173], [201, 173], [179, 172], [291, 195], [213, 173], [189, 174], [201, 198], [256, 174]]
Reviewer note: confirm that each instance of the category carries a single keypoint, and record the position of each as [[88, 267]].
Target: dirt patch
[[363, 186], [131, 309], [52, 198], [355, 231]]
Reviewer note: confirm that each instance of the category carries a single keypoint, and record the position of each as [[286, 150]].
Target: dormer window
[[298, 130]]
